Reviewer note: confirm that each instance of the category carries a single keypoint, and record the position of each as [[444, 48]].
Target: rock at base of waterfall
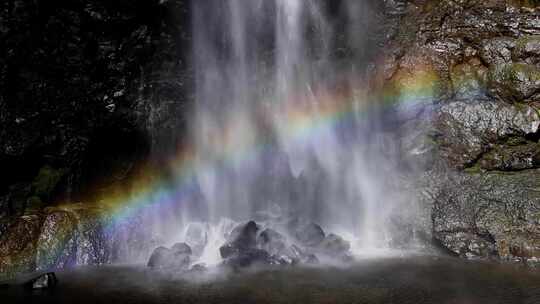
[[334, 246], [250, 257], [299, 256], [242, 239], [307, 233], [271, 241], [44, 281], [176, 258], [199, 268], [181, 248]]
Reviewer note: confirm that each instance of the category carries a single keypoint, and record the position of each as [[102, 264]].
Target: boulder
[[44, 281], [242, 238], [271, 241], [307, 233], [334, 246], [159, 257], [176, 258], [241, 249]]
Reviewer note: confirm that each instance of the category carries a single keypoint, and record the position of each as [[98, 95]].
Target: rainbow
[[300, 122]]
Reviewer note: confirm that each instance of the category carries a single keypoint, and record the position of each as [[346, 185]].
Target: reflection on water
[[389, 280]]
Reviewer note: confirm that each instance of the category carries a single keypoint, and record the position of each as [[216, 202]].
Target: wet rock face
[[72, 237], [488, 215], [98, 84], [18, 247], [57, 247], [468, 128], [63, 237], [482, 97], [305, 244]]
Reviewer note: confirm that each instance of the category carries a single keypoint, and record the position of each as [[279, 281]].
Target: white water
[[258, 61]]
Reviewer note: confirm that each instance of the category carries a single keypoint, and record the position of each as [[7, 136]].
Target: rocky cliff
[[87, 89], [477, 136], [89, 93]]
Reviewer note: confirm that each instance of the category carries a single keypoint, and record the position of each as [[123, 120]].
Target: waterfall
[[284, 122]]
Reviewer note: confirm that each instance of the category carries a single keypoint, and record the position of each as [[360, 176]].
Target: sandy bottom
[[412, 280]]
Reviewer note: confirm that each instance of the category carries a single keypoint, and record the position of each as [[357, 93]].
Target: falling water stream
[[284, 126]]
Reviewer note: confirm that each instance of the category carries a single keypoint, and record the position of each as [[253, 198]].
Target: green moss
[[46, 181], [514, 82], [474, 169], [522, 42], [516, 141], [525, 3]]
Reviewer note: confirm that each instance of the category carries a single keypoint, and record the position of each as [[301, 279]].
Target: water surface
[[389, 280]]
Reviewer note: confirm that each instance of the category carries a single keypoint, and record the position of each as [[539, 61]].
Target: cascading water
[[284, 126]]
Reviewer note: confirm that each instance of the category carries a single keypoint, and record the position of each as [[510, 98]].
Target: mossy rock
[[469, 79], [525, 3], [528, 49], [515, 82], [512, 157]]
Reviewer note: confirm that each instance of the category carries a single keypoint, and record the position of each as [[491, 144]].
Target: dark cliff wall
[[83, 88], [478, 129]]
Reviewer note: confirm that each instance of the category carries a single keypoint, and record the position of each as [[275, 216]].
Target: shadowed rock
[[309, 234], [45, 281], [271, 241], [334, 246], [177, 258], [242, 239]]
